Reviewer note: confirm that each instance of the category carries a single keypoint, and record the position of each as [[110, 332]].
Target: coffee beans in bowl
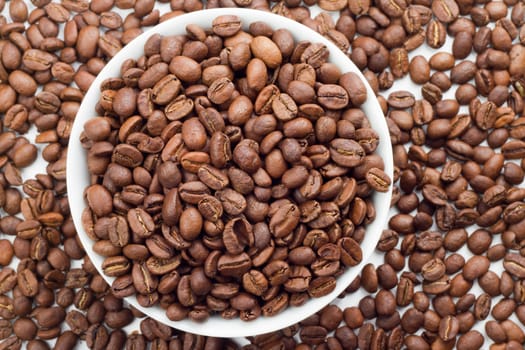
[[229, 167]]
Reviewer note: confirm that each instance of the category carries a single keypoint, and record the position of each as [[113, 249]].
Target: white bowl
[[78, 176]]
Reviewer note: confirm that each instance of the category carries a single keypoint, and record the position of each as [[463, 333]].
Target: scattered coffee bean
[[43, 43]]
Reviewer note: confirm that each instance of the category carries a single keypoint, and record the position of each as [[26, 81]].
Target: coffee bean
[[512, 149], [332, 96], [445, 11], [213, 177], [321, 286], [265, 49], [140, 222], [419, 70], [226, 25], [313, 334], [346, 152], [393, 8], [7, 248], [471, 340], [354, 87], [401, 99], [377, 179], [514, 264], [436, 35]]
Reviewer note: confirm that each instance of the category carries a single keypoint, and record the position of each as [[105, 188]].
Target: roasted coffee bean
[[377, 179], [226, 25], [436, 33], [7, 248], [313, 334], [475, 267], [514, 264], [321, 286], [445, 11], [471, 340], [28, 283], [354, 87]]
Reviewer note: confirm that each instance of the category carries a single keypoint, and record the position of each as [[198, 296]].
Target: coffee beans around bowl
[[492, 34], [241, 176]]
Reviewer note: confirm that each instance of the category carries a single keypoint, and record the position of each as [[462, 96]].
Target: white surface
[[78, 177]]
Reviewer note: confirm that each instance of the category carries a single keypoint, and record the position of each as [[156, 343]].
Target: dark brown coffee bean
[[284, 220], [448, 328], [433, 270], [140, 222], [313, 334], [436, 33], [227, 25], [28, 283], [190, 224], [332, 96], [213, 177], [234, 265], [514, 264], [401, 99], [255, 282], [471, 340], [445, 11], [436, 287], [351, 253], [419, 70], [495, 331], [475, 267], [385, 303], [393, 8], [165, 90], [513, 149], [377, 179], [346, 152], [405, 292], [38, 60], [354, 87]]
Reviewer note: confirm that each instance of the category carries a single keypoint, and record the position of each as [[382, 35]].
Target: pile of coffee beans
[[232, 172], [449, 269]]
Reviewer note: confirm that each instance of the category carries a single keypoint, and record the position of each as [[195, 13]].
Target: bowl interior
[[78, 176]]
